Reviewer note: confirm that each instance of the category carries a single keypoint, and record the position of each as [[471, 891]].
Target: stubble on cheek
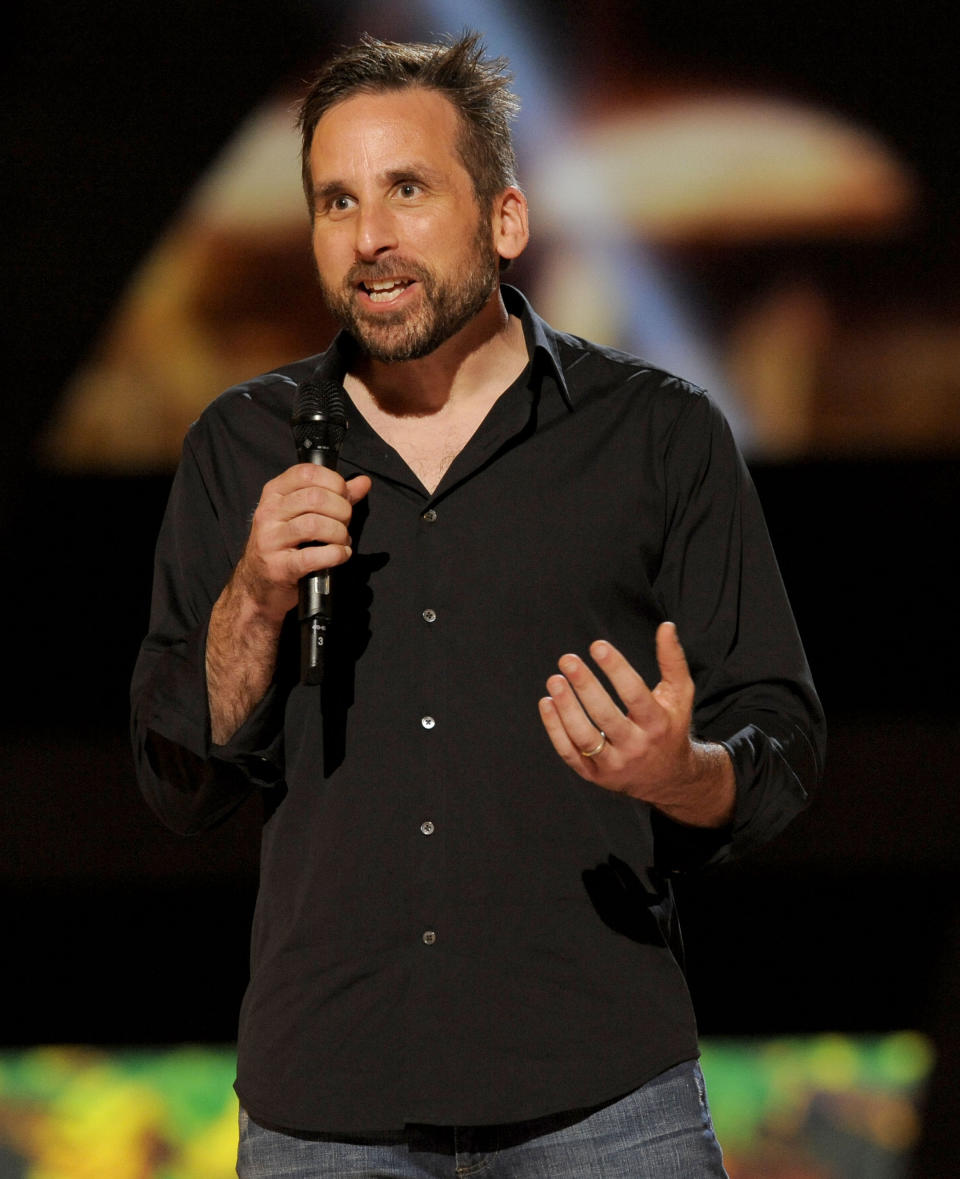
[[390, 333], [441, 308]]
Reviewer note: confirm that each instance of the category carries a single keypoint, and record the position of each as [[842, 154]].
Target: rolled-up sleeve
[[189, 782], [719, 581]]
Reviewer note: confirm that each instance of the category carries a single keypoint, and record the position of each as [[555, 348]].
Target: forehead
[[371, 131]]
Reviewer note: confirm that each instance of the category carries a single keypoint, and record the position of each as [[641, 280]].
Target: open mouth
[[385, 290]]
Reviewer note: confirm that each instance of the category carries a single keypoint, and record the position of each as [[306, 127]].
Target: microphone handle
[[316, 605]]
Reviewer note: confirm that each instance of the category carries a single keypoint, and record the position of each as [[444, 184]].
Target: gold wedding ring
[[598, 748]]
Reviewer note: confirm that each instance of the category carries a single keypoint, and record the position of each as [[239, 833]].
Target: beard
[[447, 303]]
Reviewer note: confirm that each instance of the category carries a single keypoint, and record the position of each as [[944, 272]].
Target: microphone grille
[[319, 415]]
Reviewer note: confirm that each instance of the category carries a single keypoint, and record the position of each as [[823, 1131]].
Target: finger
[[580, 726], [319, 501], [315, 558], [559, 737], [676, 683], [357, 487], [307, 475], [638, 701], [606, 712], [312, 497], [670, 655], [311, 528]]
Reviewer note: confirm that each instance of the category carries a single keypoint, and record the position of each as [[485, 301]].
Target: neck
[[489, 351]]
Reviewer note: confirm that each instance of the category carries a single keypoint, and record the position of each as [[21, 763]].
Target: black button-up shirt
[[452, 927]]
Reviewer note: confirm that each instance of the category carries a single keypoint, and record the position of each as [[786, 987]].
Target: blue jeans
[[662, 1130]]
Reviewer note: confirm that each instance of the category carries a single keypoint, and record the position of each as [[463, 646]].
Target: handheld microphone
[[319, 423]]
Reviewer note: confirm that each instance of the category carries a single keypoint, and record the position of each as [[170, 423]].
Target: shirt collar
[[540, 339]]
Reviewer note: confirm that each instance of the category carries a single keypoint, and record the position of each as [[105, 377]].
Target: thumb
[[357, 487], [670, 657]]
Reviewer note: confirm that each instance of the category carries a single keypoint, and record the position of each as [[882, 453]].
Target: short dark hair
[[476, 85]]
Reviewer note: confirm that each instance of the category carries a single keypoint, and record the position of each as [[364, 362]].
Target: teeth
[[386, 290]]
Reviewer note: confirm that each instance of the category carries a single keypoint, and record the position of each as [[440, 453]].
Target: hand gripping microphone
[[319, 424]]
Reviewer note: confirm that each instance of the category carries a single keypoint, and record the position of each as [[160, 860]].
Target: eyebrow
[[411, 171], [322, 192]]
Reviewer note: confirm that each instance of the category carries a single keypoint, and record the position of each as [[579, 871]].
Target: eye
[[408, 189], [334, 204]]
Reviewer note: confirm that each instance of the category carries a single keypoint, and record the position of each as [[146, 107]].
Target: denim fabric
[[662, 1130]]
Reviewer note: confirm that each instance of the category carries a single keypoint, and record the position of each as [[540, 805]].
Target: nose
[[376, 232]]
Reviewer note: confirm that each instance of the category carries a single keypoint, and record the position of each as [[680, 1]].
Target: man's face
[[404, 255]]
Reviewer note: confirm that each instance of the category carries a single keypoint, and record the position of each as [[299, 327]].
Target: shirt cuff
[[257, 746]]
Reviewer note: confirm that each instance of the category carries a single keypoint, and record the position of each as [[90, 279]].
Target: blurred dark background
[[123, 933]]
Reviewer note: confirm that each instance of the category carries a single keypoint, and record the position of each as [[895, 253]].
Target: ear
[[511, 230]]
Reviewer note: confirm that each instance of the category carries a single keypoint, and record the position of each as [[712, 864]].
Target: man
[[464, 944]]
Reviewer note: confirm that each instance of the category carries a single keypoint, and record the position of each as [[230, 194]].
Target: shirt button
[[429, 937], [429, 515], [429, 615], [427, 827], [427, 721]]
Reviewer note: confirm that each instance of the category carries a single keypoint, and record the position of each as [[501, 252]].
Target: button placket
[[430, 677]]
